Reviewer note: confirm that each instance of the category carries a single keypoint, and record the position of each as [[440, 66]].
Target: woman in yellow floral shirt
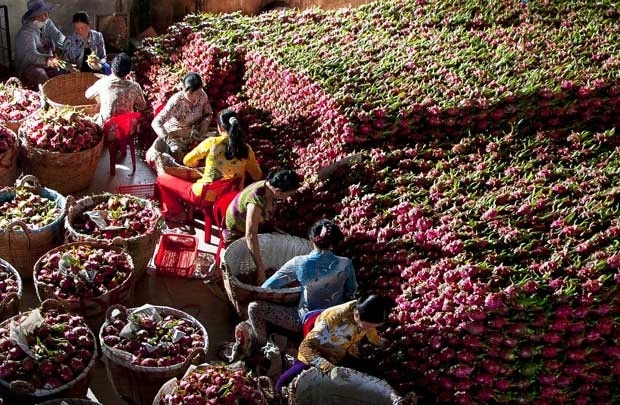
[[226, 158], [336, 336]]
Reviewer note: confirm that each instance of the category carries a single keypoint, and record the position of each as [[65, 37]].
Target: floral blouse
[[217, 166], [73, 48], [116, 96], [180, 113], [335, 334]]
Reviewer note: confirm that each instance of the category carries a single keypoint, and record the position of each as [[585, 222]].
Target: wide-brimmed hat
[[36, 8]]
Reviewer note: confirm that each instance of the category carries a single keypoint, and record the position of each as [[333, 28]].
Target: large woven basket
[[141, 248], [22, 392], [65, 172], [68, 90], [91, 308], [138, 384], [9, 306], [14, 125], [22, 246], [8, 166], [264, 384], [347, 387], [275, 250]]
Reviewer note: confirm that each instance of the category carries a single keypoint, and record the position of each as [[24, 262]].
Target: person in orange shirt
[[226, 157]]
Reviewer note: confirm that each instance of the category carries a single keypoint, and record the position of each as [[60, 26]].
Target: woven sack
[[264, 384], [68, 90], [22, 392], [9, 306], [65, 172], [8, 166], [141, 248], [22, 246], [138, 384], [91, 308], [14, 125], [342, 386], [275, 249]]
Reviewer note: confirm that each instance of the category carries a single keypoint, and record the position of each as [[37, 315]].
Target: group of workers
[[334, 321]]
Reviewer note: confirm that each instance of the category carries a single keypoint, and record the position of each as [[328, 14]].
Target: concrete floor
[[207, 302]]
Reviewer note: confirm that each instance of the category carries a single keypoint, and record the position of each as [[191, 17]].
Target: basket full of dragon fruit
[[131, 222], [87, 277], [146, 346], [46, 353], [17, 103], [62, 148], [31, 223]]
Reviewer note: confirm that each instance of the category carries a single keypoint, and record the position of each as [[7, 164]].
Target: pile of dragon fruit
[[124, 215], [9, 281], [63, 131], [152, 337], [54, 349], [17, 103], [82, 271], [30, 208], [210, 384]]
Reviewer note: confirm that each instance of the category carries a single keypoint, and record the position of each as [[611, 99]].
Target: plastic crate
[[138, 190], [176, 255]]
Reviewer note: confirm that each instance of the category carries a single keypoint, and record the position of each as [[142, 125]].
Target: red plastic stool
[[118, 132]]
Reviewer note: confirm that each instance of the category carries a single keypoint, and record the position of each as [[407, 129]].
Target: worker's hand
[[93, 62], [53, 62], [326, 367], [260, 276]]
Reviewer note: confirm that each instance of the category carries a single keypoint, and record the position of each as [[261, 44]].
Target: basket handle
[[108, 312], [14, 81], [194, 355], [9, 299], [21, 388], [24, 228], [51, 304], [29, 182]]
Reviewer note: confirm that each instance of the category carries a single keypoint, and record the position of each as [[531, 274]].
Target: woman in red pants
[[226, 158]]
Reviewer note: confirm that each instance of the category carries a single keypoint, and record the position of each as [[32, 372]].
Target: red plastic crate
[[138, 190], [176, 255]]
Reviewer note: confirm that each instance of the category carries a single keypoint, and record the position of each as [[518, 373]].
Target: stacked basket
[[68, 90], [11, 291]]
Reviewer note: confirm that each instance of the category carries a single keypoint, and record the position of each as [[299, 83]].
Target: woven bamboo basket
[[22, 392], [67, 91], [22, 246], [91, 308], [346, 386], [275, 250], [9, 306], [14, 125], [141, 248], [8, 166], [264, 385], [65, 172], [138, 384]]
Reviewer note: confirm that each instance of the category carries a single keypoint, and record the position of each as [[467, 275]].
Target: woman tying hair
[[326, 280], [226, 157]]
